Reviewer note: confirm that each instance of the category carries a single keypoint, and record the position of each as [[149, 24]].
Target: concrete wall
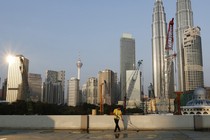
[[43, 122], [102, 122]]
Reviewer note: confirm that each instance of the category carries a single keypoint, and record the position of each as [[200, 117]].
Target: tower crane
[[168, 65]]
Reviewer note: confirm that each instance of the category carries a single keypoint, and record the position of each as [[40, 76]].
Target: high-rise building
[[53, 87], [17, 79], [107, 87], [92, 90], [184, 20], [159, 35], [73, 92], [127, 60], [35, 84], [193, 61], [84, 94]]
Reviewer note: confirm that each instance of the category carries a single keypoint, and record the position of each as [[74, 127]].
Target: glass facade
[[127, 59], [184, 20], [193, 61]]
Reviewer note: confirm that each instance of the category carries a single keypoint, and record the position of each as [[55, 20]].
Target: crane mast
[[168, 66]]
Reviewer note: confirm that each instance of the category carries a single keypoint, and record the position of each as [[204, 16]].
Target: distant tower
[[127, 59], [79, 65], [159, 30], [17, 79], [184, 20], [193, 61]]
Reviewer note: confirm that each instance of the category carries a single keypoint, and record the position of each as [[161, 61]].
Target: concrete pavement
[[103, 135]]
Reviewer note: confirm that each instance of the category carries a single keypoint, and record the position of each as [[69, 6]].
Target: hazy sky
[[53, 34]]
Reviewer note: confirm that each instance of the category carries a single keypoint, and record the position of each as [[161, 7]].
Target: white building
[[198, 105], [133, 88], [73, 92], [17, 79]]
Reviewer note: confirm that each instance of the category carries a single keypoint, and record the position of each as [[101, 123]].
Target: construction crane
[[107, 89], [168, 65], [132, 80]]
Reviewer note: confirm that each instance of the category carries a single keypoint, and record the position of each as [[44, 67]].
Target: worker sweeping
[[117, 116]]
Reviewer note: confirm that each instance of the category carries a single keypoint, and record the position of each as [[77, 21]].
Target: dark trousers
[[116, 125]]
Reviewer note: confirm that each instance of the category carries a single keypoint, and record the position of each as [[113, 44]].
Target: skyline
[[65, 31]]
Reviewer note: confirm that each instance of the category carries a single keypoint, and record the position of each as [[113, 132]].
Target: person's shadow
[[117, 135]]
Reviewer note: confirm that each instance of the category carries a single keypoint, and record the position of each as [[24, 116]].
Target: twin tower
[[189, 63]]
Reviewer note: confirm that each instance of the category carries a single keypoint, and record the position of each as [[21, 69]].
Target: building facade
[[133, 89], [193, 62], [127, 60], [17, 79], [184, 20], [35, 86], [54, 87], [84, 94], [92, 90], [107, 87], [73, 92], [198, 105], [159, 35]]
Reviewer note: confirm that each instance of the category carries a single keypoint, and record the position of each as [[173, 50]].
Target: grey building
[[53, 87], [73, 92], [193, 61], [35, 86], [92, 90], [184, 20], [159, 35], [127, 59]]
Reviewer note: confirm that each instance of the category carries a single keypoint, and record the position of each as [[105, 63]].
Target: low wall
[[102, 122], [43, 122], [143, 122]]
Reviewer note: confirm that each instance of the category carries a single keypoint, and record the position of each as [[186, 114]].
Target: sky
[[54, 34]]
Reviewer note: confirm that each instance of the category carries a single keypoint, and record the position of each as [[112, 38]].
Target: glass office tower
[[127, 59], [184, 20]]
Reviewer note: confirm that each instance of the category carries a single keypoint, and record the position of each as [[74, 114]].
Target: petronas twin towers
[[189, 71]]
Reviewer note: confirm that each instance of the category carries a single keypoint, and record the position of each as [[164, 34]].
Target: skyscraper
[[35, 86], [73, 92], [127, 59], [92, 90], [184, 20], [17, 79], [193, 62], [107, 81], [159, 30], [53, 88]]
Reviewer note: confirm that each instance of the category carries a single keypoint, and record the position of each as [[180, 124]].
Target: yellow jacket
[[117, 113]]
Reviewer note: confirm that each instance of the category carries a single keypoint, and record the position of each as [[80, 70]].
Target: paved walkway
[[102, 135]]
